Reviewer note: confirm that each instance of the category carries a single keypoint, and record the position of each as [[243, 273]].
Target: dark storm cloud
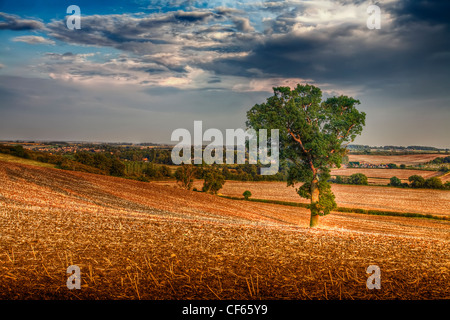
[[151, 33], [190, 60], [13, 22], [349, 53], [421, 11]]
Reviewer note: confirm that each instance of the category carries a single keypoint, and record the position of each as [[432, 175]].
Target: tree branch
[[345, 135], [314, 170]]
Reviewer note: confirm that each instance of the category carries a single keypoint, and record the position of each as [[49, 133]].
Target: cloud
[[421, 11], [34, 40], [191, 56], [13, 22], [164, 49], [325, 41], [243, 24]]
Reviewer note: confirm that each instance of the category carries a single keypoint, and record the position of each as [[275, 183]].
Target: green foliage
[[247, 194], [313, 135], [165, 171], [392, 166], [147, 170], [16, 150], [19, 151], [345, 159], [326, 197], [213, 180], [110, 164], [440, 160], [340, 180], [247, 172], [117, 168], [402, 166], [358, 178], [434, 183], [395, 182], [416, 181], [185, 175]]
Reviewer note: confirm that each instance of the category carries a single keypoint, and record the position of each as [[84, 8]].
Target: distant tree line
[[356, 178], [124, 162], [60, 161], [415, 181], [145, 171], [212, 176], [440, 160]]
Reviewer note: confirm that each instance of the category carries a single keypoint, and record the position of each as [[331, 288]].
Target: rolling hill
[[136, 240]]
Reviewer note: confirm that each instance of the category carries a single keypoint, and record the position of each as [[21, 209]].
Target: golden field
[[408, 159], [382, 176], [423, 201], [136, 240], [402, 174]]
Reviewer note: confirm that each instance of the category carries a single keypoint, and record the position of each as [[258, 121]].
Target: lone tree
[[214, 180], [185, 175], [416, 181], [395, 182], [313, 135], [358, 178]]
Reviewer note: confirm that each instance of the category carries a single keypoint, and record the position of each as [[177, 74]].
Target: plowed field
[[136, 240]]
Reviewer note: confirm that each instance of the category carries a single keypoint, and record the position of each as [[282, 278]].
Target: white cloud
[[33, 40]]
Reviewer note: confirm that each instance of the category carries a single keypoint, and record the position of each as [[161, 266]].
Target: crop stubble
[[135, 240]]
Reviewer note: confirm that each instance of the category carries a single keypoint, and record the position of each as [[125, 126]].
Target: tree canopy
[[313, 135]]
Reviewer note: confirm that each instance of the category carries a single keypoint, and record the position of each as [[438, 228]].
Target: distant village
[[74, 147]]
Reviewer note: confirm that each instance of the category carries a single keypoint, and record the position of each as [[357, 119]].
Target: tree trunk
[[314, 199]]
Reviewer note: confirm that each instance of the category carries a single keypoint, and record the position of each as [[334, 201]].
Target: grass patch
[[11, 158], [349, 210]]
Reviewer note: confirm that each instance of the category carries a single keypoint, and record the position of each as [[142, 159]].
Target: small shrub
[[358, 178], [395, 182], [214, 180], [247, 194], [416, 181], [434, 183], [340, 180]]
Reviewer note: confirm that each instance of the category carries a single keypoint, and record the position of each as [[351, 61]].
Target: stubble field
[[382, 176], [422, 201], [136, 240], [408, 159]]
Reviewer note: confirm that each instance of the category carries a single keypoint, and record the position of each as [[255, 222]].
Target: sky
[[138, 70]]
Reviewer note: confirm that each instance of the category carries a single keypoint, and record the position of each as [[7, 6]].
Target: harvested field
[[386, 173], [135, 240], [424, 201], [409, 159], [445, 177]]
